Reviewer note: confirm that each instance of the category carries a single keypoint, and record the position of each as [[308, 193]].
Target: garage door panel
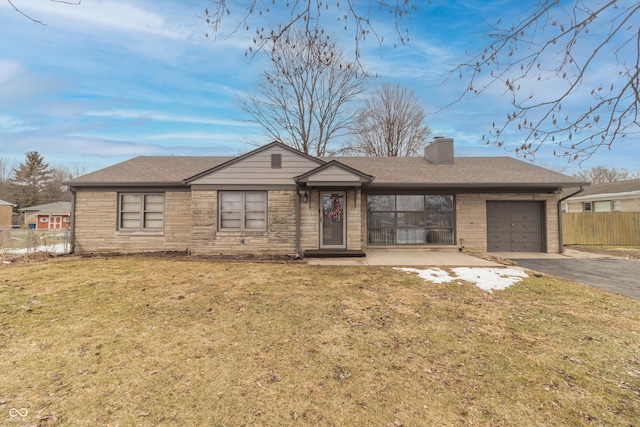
[[499, 226], [518, 207], [525, 217], [515, 226], [526, 247], [500, 215], [534, 227], [525, 237], [499, 236], [499, 247]]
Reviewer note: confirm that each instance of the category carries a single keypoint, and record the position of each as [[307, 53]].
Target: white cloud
[[12, 124], [162, 117], [18, 83], [116, 15], [194, 136]]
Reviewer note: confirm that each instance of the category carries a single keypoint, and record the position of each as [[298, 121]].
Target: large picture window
[[141, 211], [243, 210], [410, 219]]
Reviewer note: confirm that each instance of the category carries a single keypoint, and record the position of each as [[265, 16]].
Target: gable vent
[[276, 161]]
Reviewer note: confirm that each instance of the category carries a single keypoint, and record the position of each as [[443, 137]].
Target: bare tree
[[390, 123], [37, 21], [269, 20], [562, 46], [301, 100], [603, 175], [5, 173], [56, 191]]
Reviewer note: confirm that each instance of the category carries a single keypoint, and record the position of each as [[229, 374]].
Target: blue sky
[[109, 80]]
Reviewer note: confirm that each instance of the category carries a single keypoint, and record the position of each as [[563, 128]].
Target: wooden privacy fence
[[601, 228]]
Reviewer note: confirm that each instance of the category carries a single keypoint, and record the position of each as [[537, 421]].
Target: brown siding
[[95, 225], [629, 204], [6, 212], [256, 169], [334, 174]]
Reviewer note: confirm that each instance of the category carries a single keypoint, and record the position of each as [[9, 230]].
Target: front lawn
[[149, 341]]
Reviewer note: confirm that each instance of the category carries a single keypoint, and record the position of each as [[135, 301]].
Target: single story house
[[6, 215], [619, 196], [50, 216], [277, 200]]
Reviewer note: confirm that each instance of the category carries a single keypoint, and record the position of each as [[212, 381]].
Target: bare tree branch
[[37, 21], [603, 175], [564, 47], [391, 123], [301, 99], [308, 16]]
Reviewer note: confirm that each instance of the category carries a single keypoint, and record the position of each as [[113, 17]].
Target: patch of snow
[[59, 248], [487, 279]]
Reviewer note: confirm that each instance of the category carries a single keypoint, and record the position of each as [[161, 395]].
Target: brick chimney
[[440, 151]]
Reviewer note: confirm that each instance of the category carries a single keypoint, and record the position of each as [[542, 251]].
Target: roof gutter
[[560, 239], [72, 238], [298, 197]]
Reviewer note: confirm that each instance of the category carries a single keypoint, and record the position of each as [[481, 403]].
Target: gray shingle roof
[[147, 170], [390, 171], [612, 187], [55, 208], [468, 171]]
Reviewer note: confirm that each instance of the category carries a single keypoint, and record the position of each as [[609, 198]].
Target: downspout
[[72, 236], [297, 222], [560, 216]]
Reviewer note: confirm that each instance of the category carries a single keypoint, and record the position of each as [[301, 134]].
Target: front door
[[332, 229]]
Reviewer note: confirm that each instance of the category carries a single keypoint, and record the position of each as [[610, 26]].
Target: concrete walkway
[[409, 258]]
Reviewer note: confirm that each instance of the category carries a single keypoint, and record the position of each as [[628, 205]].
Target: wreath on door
[[334, 210]]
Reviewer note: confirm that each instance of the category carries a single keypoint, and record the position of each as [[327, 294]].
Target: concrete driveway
[[409, 258], [617, 275]]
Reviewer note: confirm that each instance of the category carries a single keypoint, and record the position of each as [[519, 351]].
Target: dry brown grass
[[143, 341]]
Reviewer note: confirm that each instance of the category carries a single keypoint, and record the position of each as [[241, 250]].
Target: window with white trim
[[602, 206], [616, 205], [242, 210], [141, 211], [586, 206]]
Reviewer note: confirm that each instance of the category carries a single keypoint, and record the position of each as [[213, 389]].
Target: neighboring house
[[277, 200], [6, 215], [620, 196], [51, 216]]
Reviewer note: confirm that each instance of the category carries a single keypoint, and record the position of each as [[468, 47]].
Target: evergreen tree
[[30, 181]]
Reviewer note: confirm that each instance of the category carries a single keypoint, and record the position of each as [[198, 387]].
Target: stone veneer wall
[[96, 225], [280, 237], [471, 218]]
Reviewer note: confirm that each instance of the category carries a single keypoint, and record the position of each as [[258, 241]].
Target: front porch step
[[320, 253]]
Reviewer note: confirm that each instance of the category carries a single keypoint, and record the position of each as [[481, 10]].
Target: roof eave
[[543, 186], [129, 184]]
